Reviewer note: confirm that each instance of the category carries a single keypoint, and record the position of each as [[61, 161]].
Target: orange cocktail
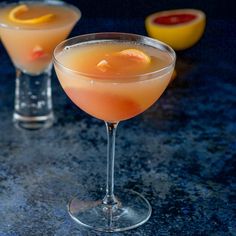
[[113, 77], [30, 30]]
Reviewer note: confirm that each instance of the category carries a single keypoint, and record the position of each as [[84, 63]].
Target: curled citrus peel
[[136, 55], [131, 54], [17, 11]]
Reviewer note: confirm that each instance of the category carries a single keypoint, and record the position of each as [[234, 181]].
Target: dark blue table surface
[[180, 153]]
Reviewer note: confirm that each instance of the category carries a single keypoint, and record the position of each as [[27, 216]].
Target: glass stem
[[110, 199]]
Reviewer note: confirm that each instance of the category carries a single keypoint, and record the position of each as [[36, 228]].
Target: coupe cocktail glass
[[30, 30], [96, 74]]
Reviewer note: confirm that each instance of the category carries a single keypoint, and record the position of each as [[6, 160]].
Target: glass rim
[[50, 2], [116, 78]]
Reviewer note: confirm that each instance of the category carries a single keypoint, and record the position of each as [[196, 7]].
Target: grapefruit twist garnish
[[132, 54], [136, 55], [180, 29], [17, 11]]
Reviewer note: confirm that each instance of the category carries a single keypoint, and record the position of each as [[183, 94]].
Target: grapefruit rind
[[15, 12], [181, 35], [135, 54]]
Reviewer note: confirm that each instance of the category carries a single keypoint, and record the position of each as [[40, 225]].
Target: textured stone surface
[[180, 153]]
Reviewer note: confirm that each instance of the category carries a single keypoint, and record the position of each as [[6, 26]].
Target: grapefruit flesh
[[174, 19]]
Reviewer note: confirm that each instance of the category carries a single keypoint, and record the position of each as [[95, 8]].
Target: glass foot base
[[131, 211], [33, 122]]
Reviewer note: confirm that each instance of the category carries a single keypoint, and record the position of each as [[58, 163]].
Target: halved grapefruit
[[180, 28]]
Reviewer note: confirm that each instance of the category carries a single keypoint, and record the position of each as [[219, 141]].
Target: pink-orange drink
[[103, 78], [30, 31]]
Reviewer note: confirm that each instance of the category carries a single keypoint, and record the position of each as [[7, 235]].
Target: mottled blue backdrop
[[180, 154]]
